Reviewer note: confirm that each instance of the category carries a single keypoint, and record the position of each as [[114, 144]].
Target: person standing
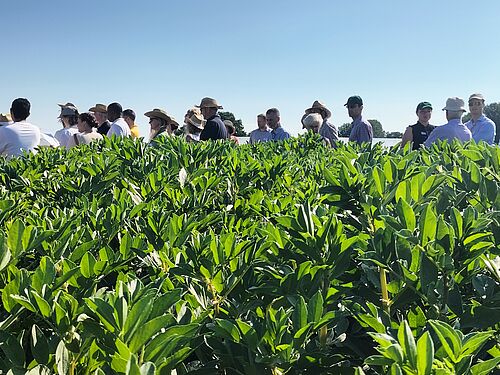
[[312, 123], [214, 126], [273, 121], [118, 125], [454, 129], [19, 136], [418, 133], [481, 127], [129, 117], [87, 130], [162, 125], [361, 130], [101, 115], [69, 120], [327, 129], [262, 133]]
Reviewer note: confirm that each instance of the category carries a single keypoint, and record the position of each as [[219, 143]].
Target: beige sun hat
[[101, 108], [196, 120], [318, 105], [476, 96], [455, 104], [160, 113], [209, 103]]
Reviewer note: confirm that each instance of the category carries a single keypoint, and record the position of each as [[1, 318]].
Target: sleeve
[[251, 140], [364, 134], [115, 130], [487, 133], [431, 138]]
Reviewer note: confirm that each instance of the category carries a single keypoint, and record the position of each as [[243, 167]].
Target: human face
[[155, 123], [113, 116], [424, 115], [314, 128], [82, 126], [261, 123], [272, 120], [476, 107], [100, 117], [354, 110]]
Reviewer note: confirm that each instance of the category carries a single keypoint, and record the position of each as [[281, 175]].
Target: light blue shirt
[[279, 134], [258, 135], [361, 131], [483, 129], [454, 129], [330, 132]]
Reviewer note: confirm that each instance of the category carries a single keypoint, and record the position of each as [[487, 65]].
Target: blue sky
[[249, 55]]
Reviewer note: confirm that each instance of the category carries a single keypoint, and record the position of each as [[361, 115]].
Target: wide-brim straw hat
[[160, 113], [209, 103], [196, 120], [101, 108], [318, 105]]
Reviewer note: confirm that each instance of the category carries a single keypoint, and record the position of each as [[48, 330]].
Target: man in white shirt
[[21, 135], [118, 125]]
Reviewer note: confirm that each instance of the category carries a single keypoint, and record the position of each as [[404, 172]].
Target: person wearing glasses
[[361, 130], [481, 127]]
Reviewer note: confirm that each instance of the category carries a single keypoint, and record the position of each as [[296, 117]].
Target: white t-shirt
[[119, 128], [64, 135], [18, 137]]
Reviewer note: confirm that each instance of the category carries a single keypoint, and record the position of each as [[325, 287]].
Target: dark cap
[[354, 100], [423, 105]]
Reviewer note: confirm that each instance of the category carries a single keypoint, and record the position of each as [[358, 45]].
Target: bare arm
[[407, 136]]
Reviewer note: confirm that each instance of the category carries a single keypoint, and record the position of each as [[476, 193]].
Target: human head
[[5, 119], [455, 108], [354, 106], [160, 121], [424, 112], [476, 105], [129, 117], [86, 121], [209, 107], [273, 118], [261, 121], [194, 123], [229, 127], [312, 122], [69, 115], [320, 108], [190, 112], [20, 109], [114, 111], [100, 113]]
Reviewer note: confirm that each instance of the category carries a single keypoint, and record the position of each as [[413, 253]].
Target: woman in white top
[[68, 118], [87, 128], [162, 125]]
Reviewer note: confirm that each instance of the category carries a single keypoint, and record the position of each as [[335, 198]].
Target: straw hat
[[68, 104], [196, 120], [101, 108], [209, 103], [5, 117], [318, 105], [160, 113]]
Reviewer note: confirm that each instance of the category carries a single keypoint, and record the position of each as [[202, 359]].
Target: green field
[[269, 259]]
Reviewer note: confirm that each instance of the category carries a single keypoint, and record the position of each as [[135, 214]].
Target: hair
[[89, 118], [273, 110], [129, 113], [261, 115], [115, 108], [311, 119], [20, 109], [454, 115]]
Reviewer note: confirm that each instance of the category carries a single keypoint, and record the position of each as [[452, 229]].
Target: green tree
[[378, 131], [345, 129], [394, 135], [240, 131]]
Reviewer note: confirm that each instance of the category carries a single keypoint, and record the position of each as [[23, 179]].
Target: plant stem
[[385, 293]]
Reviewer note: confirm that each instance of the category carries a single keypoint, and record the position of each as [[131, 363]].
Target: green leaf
[[407, 215], [139, 313], [449, 339], [315, 307], [428, 224], [299, 316], [378, 179], [15, 238], [148, 368], [394, 352], [147, 331], [485, 367], [12, 349], [425, 354], [42, 304], [5, 254], [39, 345], [62, 358], [104, 311], [407, 341], [300, 336], [132, 366], [87, 265], [473, 342], [249, 334]]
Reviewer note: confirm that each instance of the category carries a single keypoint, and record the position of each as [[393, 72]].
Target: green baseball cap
[[353, 100], [424, 105]]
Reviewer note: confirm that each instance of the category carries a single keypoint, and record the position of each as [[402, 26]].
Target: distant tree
[[492, 111], [378, 131], [240, 131], [345, 129], [394, 135]]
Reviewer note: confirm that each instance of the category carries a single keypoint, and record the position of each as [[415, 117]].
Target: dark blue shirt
[[214, 129]]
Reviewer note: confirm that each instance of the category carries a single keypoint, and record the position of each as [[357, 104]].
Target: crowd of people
[[203, 123]]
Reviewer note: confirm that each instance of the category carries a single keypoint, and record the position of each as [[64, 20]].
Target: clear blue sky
[[249, 55]]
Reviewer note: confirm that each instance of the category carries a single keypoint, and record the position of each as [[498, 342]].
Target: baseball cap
[[424, 105], [354, 100]]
